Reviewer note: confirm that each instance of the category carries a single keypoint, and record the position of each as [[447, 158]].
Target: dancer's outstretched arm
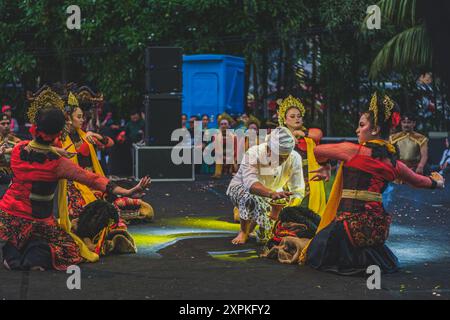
[[417, 180], [315, 134], [339, 151], [69, 170]]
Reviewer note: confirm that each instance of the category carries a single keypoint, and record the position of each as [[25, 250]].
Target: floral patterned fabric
[[366, 228], [19, 231], [75, 201]]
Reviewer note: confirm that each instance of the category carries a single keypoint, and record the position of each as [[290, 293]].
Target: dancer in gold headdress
[[35, 239], [354, 226], [75, 140], [291, 112]]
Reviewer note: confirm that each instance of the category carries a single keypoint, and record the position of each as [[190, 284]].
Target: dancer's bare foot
[[240, 239]]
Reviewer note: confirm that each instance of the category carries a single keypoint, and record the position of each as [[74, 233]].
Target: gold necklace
[[42, 147]]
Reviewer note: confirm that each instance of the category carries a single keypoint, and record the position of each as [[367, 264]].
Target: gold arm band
[[362, 195], [37, 197]]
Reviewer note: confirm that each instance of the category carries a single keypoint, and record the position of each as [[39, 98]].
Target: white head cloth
[[281, 141]]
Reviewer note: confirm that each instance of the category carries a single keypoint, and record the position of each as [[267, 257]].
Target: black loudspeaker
[[157, 163], [164, 66], [162, 117], [163, 81]]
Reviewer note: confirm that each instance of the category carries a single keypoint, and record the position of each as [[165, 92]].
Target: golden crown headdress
[[388, 104], [255, 120], [72, 100], [85, 95], [224, 116], [46, 98], [285, 105]]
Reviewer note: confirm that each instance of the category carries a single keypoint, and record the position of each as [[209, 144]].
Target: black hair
[[3, 115], [49, 121], [307, 219], [204, 115], [411, 116], [424, 71], [301, 215], [95, 217], [70, 109], [135, 111]]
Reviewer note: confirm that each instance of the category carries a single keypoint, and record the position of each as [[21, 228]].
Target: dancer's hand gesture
[[280, 195], [138, 190], [439, 180], [90, 135], [299, 133], [323, 173]]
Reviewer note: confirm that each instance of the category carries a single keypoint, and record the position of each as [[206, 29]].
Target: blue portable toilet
[[213, 84]]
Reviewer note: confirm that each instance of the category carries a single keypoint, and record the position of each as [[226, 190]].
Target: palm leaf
[[401, 12], [411, 47]]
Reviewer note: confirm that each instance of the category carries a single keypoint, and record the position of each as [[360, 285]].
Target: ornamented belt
[[362, 195], [38, 197]]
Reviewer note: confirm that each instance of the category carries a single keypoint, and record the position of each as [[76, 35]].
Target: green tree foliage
[[273, 36]]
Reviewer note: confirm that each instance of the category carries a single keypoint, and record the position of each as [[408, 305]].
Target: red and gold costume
[[355, 225], [315, 191], [26, 210], [79, 195]]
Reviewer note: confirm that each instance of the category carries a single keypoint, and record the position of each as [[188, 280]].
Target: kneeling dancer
[[260, 181]]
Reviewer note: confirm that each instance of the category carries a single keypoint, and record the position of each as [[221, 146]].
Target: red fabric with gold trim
[[373, 166], [16, 200], [371, 226]]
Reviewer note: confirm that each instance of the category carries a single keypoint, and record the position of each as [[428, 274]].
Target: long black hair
[[96, 216]]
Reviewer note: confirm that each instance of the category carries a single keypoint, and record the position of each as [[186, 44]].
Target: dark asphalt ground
[[420, 236]]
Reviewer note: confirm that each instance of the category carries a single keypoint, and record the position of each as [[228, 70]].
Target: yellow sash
[[317, 197], [86, 193], [331, 208]]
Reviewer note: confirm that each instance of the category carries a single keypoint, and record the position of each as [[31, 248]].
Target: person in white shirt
[[265, 170]]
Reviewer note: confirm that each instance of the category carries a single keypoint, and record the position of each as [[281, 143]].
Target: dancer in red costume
[[35, 239], [355, 225]]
